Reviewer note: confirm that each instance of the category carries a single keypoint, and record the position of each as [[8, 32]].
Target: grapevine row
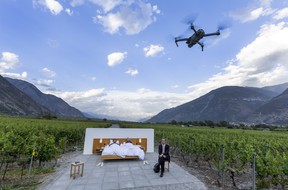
[[206, 144]]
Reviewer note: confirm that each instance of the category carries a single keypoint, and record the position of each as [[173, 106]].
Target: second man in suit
[[163, 151]]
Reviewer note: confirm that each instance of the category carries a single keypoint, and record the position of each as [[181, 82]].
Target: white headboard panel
[[92, 133]]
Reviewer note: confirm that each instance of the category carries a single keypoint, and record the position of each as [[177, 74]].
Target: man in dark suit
[[163, 151]]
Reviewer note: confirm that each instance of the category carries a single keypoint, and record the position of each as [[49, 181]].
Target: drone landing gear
[[202, 45]]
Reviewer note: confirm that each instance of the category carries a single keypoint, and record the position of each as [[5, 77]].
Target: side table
[[76, 166]]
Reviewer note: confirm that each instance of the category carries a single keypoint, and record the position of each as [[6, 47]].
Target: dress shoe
[[161, 175]]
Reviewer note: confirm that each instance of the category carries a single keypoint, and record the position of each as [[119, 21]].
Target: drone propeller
[[178, 37], [223, 25], [173, 37], [190, 19]]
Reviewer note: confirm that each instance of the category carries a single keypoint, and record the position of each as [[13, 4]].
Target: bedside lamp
[[100, 143]]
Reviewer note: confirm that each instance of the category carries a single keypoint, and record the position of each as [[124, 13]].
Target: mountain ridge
[[53, 103], [15, 102], [274, 111], [228, 103], [18, 97]]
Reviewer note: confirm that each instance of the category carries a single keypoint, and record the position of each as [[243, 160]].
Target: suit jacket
[[166, 152]]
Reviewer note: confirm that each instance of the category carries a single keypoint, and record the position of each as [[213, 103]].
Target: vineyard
[[230, 152], [43, 140]]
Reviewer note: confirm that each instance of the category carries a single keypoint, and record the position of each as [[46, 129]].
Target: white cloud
[[44, 82], [48, 73], [144, 102], [75, 3], [156, 10], [8, 61], [263, 62], [111, 22], [132, 72], [132, 16], [282, 13], [175, 86], [153, 50], [108, 5], [265, 3], [224, 35], [93, 78], [21, 76], [69, 11], [54, 6], [143, 90], [53, 43], [254, 14], [253, 11], [116, 58]]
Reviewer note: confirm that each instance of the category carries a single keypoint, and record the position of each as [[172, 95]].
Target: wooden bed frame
[[99, 144]]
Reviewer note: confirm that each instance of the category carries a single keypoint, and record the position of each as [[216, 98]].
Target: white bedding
[[122, 150]]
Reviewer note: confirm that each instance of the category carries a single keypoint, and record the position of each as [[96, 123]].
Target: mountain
[[14, 102], [53, 103], [280, 88], [275, 111], [230, 103], [99, 116]]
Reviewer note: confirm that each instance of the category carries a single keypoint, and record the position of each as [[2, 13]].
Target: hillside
[[230, 103], [279, 89], [53, 103], [275, 111], [15, 102]]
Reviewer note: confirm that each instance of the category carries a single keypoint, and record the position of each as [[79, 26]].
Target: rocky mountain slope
[[14, 102], [279, 89], [53, 103], [230, 103], [274, 111]]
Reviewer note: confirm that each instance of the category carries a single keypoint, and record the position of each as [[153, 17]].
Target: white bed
[[124, 150]]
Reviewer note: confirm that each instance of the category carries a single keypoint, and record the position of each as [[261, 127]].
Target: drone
[[196, 37]]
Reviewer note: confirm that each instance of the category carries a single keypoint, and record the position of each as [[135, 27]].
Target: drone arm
[[183, 39], [213, 34], [192, 27], [179, 40]]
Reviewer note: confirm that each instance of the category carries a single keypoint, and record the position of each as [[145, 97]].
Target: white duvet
[[122, 150]]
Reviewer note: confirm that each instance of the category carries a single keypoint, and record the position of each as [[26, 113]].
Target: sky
[[118, 57]]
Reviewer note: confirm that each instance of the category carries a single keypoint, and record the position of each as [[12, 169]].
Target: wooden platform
[[115, 157]]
